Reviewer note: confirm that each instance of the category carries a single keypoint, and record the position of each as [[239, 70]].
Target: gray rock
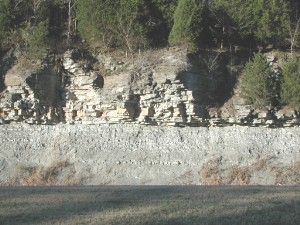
[[123, 154]]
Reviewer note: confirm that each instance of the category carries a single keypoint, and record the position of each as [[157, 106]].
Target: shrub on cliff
[[290, 86], [258, 84]]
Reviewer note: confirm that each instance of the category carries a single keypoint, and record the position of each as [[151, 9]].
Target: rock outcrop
[[165, 89], [219, 147]]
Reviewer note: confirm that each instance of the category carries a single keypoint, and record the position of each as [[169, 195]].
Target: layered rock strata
[[67, 90]]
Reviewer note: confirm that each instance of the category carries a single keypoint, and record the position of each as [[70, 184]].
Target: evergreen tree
[[265, 21], [136, 24], [223, 29], [158, 19], [38, 40], [290, 87], [258, 85], [6, 18], [272, 21], [167, 9], [93, 18], [241, 13], [188, 25], [294, 25]]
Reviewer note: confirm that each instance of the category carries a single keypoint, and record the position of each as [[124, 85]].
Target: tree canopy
[[187, 26], [138, 24], [6, 19], [258, 85], [290, 87]]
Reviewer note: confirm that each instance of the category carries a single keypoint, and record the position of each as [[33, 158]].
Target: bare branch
[[294, 34], [17, 4], [211, 60]]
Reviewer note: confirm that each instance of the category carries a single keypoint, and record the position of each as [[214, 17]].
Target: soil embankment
[[131, 154]]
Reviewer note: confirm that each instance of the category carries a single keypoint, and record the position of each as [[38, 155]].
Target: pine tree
[[6, 18], [272, 21], [91, 22], [223, 29], [241, 12], [290, 86], [258, 85], [265, 21], [38, 40], [158, 17], [167, 9], [187, 26]]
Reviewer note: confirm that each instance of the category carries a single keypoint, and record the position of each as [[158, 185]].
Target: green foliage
[[167, 9], [290, 87], [157, 17], [24, 24], [44, 11], [105, 23], [137, 24], [6, 18], [5, 15], [223, 29], [258, 85], [132, 33], [273, 20], [187, 26], [127, 24], [37, 40], [94, 20], [263, 20], [21, 23], [241, 13]]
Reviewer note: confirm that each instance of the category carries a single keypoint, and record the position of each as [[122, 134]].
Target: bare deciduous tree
[[72, 23], [294, 33], [71, 19], [36, 4], [211, 60]]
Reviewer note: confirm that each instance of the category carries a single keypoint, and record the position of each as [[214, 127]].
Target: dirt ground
[[174, 205]]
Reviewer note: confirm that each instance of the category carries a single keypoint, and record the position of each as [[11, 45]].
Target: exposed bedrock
[[135, 154], [167, 87]]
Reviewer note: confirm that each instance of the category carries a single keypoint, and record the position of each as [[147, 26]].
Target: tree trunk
[[294, 35], [70, 21]]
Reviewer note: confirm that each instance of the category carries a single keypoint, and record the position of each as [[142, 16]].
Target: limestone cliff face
[[167, 87], [136, 105]]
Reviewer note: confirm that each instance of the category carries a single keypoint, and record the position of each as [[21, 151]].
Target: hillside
[[149, 92]]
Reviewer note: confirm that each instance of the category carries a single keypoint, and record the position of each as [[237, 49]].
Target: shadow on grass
[[150, 205]]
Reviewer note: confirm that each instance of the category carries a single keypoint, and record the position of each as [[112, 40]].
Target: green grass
[[143, 205]]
